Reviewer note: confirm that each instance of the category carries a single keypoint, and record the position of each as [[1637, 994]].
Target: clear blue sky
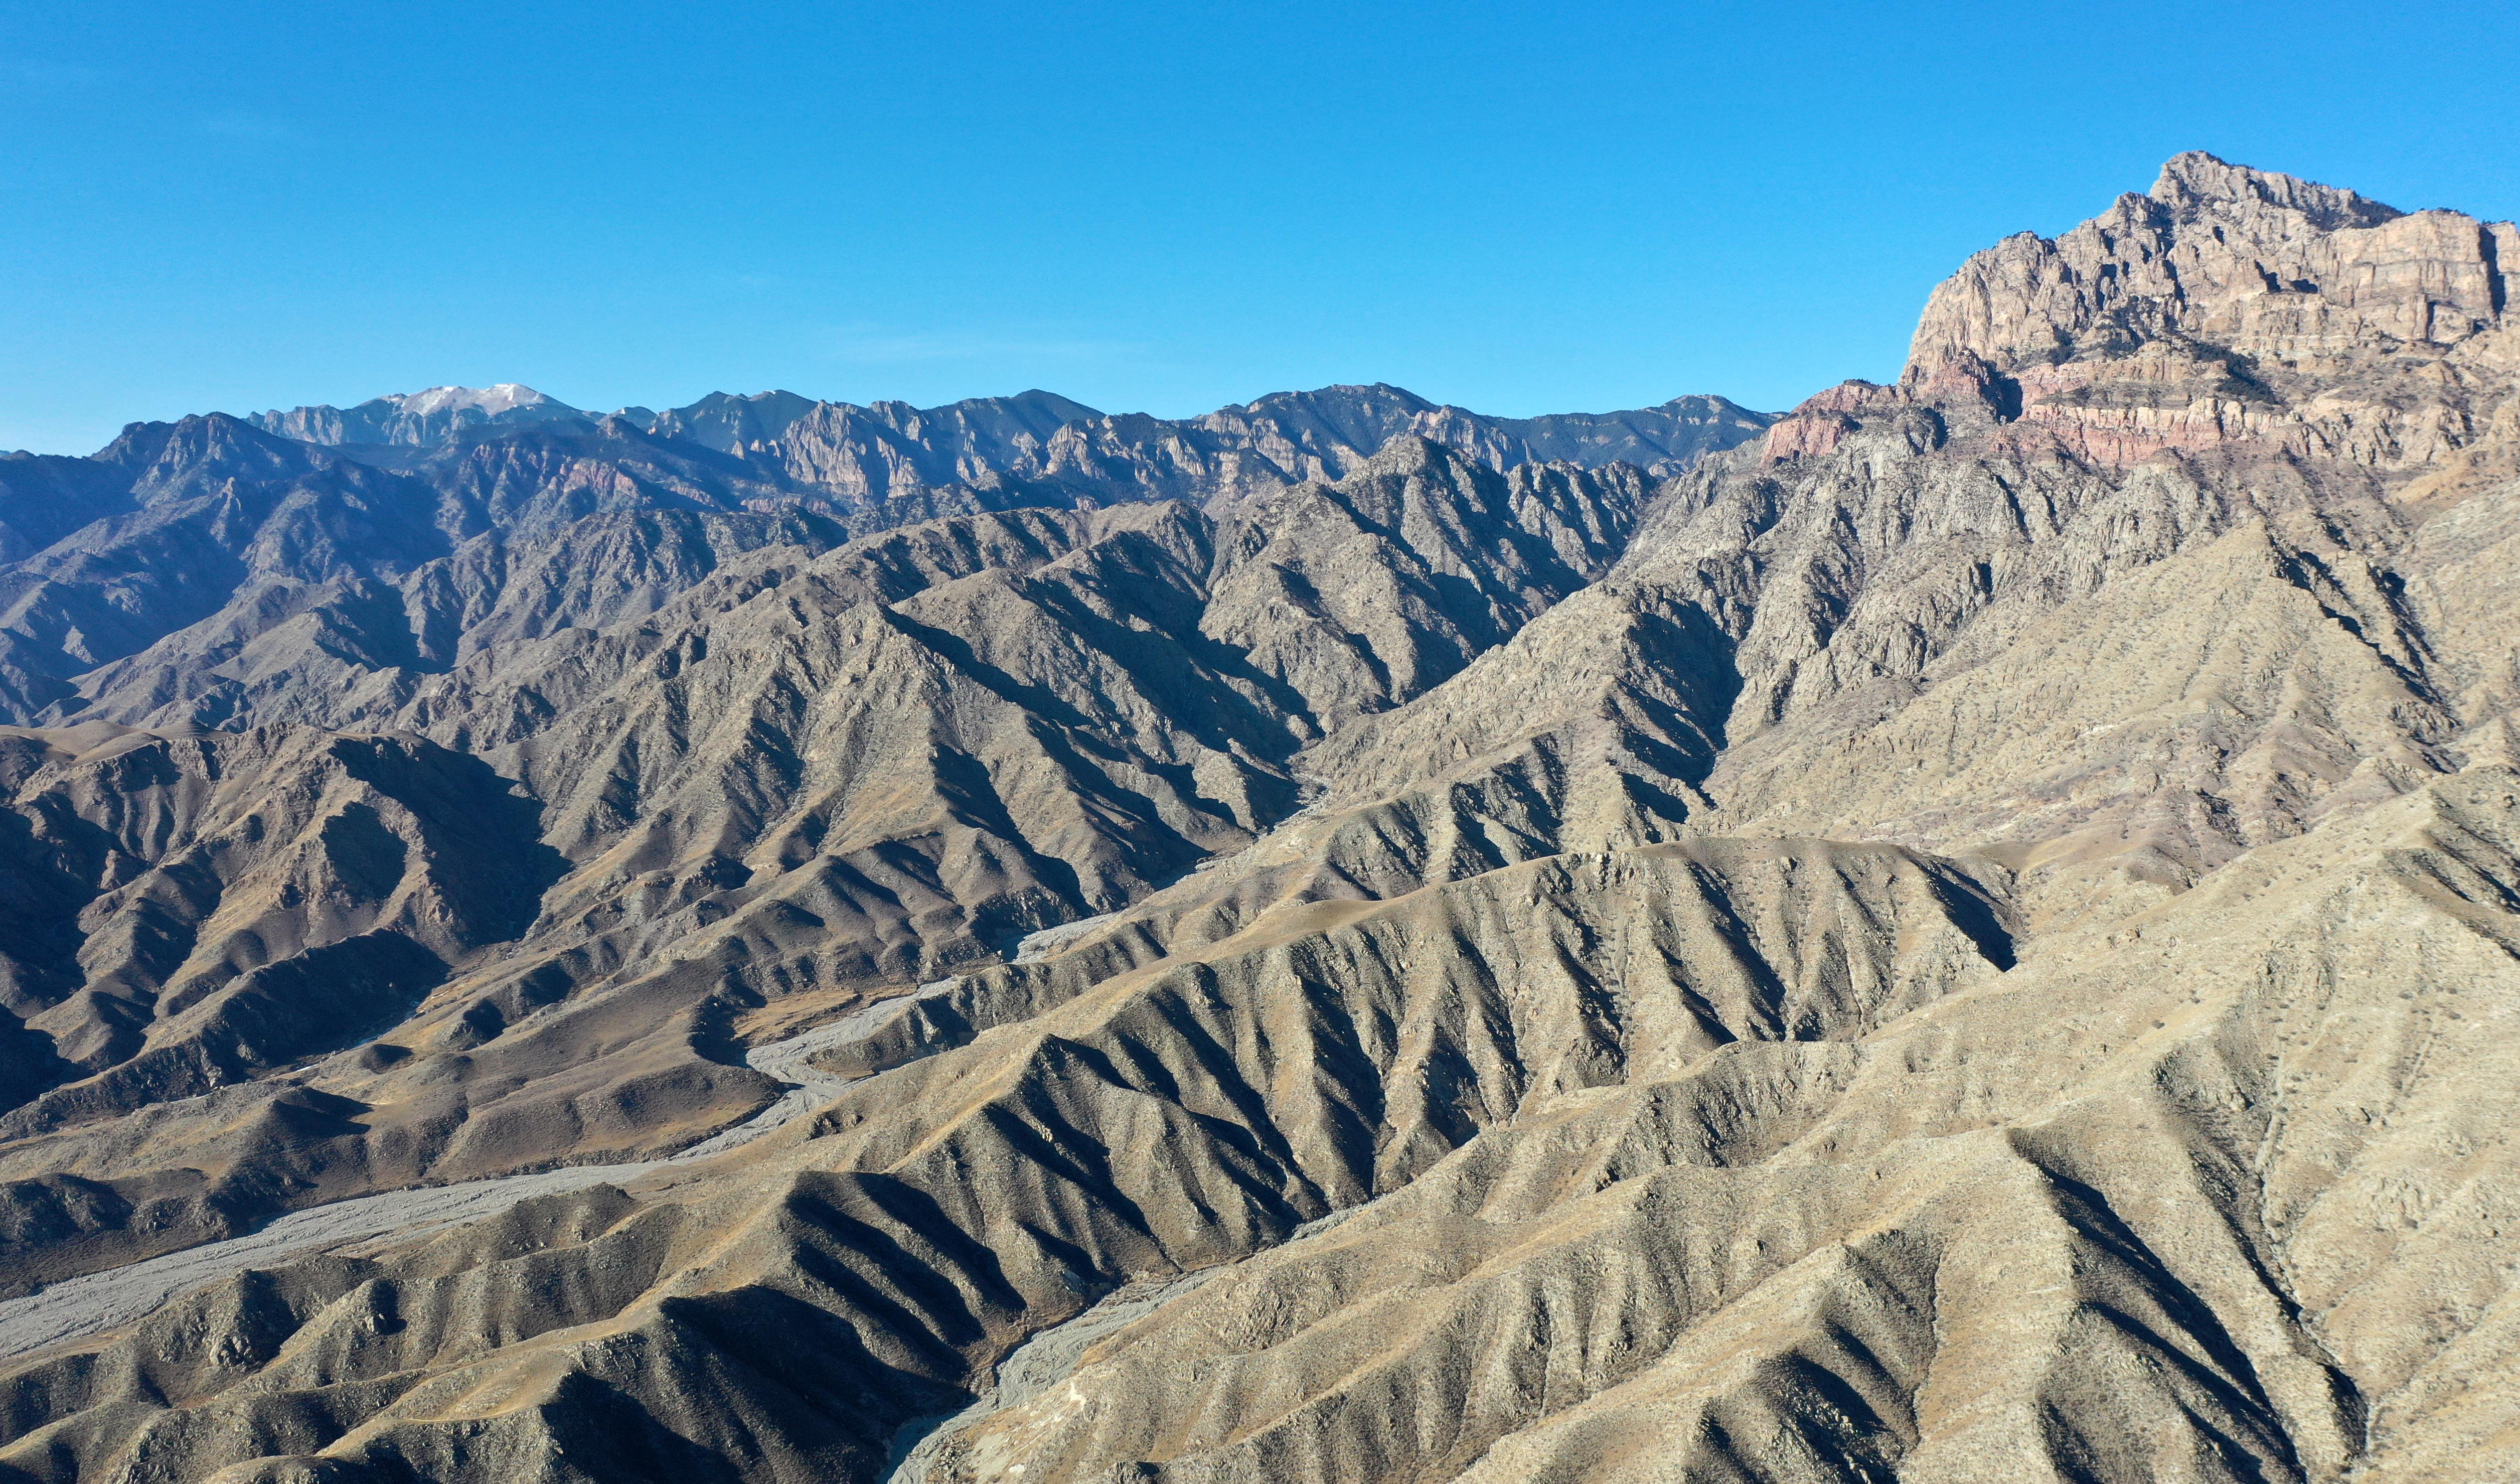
[[1519, 209]]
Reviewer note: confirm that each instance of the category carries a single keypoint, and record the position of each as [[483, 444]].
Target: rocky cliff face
[[1962, 937], [2232, 306]]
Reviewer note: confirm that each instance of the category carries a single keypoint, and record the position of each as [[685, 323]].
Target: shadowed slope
[[808, 779], [1174, 1120]]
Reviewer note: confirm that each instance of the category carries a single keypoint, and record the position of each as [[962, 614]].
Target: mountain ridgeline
[[217, 549], [1967, 931]]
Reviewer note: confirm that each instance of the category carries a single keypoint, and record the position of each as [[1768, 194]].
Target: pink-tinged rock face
[[2229, 309], [2253, 260]]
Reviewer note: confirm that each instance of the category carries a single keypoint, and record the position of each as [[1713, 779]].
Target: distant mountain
[[1660, 440], [993, 430], [187, 571], [842, 451], [877, 452], [1278, 440], [419, 417]]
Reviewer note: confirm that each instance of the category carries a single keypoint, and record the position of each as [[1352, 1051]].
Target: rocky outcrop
[[2268, 265], [2239, 306]]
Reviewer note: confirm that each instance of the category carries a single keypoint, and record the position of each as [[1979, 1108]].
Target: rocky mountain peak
[[415, 418], [196, 439], [1376, 395], [2194, 183], [727, 421], [1412, 454], [2220, 269], [499, 397]]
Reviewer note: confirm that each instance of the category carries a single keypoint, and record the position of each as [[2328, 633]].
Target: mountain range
[[1967, 931]]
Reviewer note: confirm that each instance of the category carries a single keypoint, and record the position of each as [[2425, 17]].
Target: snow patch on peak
[[504, 397], [417, 418]]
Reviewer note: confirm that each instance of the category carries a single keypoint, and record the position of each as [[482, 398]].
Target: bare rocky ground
[[1973, 935]]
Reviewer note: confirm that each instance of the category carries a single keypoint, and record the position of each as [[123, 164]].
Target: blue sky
[[1517, 208]]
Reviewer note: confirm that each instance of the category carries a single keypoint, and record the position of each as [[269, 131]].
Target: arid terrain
[[1968, 930]]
